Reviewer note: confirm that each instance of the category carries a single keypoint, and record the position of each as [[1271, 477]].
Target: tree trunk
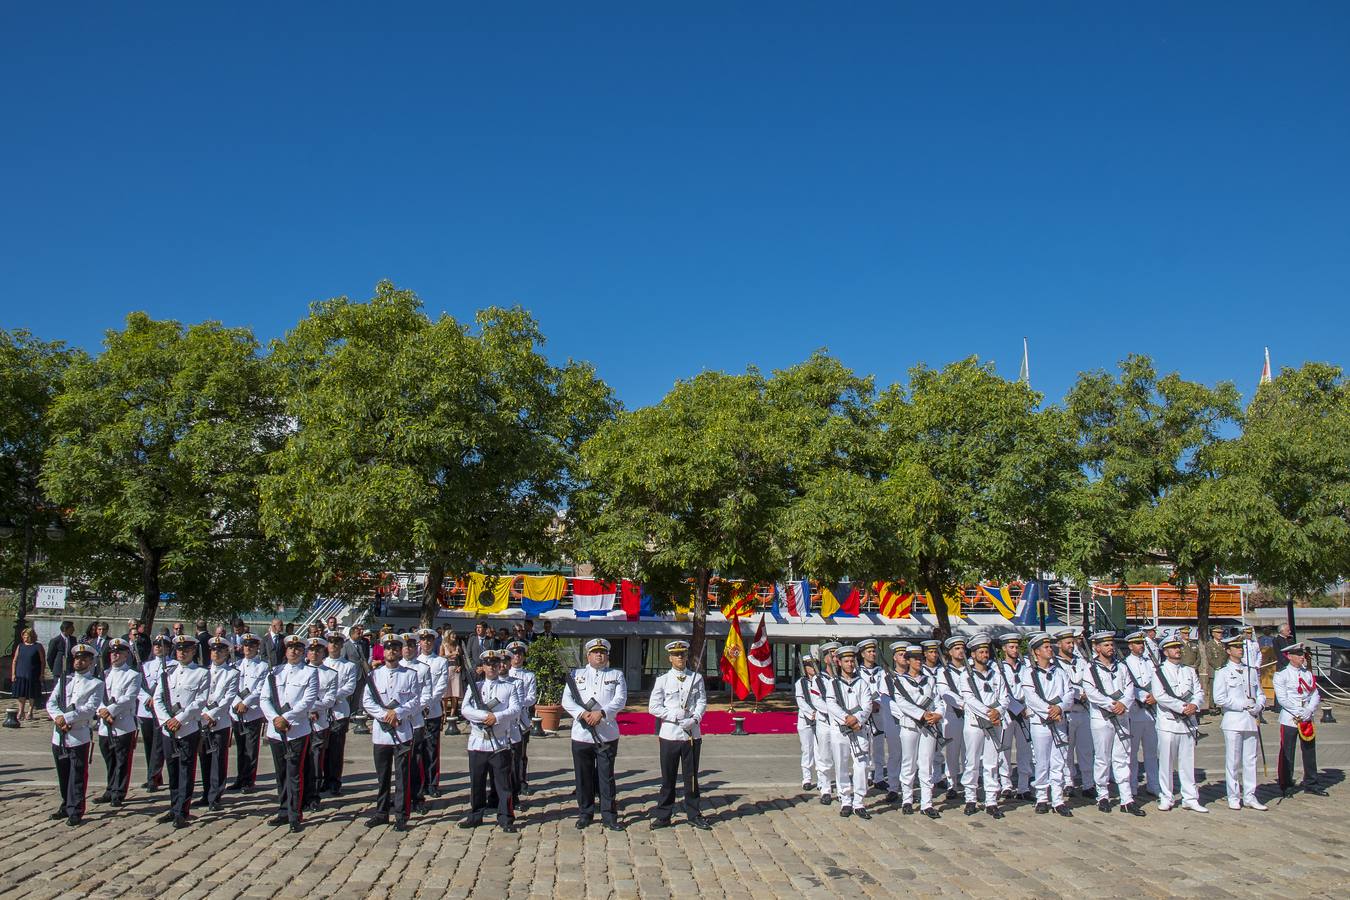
[[431, 603], [1202, 605], [934, 590], [700, 614], [150, 560]]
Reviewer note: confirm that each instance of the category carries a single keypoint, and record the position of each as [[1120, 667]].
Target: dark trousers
[[393, 780], [483, 763], [288, 761], [152, 742], [214, 755], [677, 755], [72, 774], [117, 752], [247, 743], [181, 760], [313, 771], [417, 766], [1289, 739], [520, 760], [594, 767], [332, 755], [433, 744]]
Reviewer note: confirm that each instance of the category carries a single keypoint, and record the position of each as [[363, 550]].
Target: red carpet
[[717, 722]]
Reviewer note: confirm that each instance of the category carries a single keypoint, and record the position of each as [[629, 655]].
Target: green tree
[[157, 447], [420, 442], [1291, 468], [1151, 447], [31, 371], [701, 482], [974, 480]]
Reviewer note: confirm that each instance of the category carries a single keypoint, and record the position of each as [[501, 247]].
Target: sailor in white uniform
[[117, 721], [289, 692], [1144, 713], [850, 700], [1017, 736], [1111, 696], [73, 705], [806, 719], [390, 697], [949, 678], [885, 730], [985, 699], [914, 706], [1046, 687], [1299, 698], [1081, 768], [491, 708], [1237, 691], [217, 721], [1180, 697], [179, 697]]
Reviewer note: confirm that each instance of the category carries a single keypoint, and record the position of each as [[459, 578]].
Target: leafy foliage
[[545, 659]]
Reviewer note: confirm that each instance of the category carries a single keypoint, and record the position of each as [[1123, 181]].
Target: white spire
[[1265, 370], [1025, 375]]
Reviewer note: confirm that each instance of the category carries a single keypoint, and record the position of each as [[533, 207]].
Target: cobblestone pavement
[[769, 839]]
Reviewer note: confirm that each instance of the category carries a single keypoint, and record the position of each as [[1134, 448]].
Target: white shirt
[[1012, 683], [400, 692], [149, 676], [297, 691], [1237, 691], [84, 694], [252, 681], [420, 672], [1185, 684], [501, 697], [345, 686], [222, 693], [982, 693], [912, 698], [609, 690], [186, 698], [1043, 688], [1296, 692], [853, 698], [806, 707], [438, 674], [679, 700], [949, 679], [121, 694]]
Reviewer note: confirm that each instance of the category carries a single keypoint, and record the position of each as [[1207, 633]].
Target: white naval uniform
[[826, 774], [609, 690], [1237, 691], [1297, 693], [252, 681], [527, 687], [852, 754], [1080, 767], [423, 675], [1176, 733], [949, 679], [322, 714], [222, 690], [934, 673], [187, 688], [981, 694], [806, 727], [1043, 688], [912, 698], [678, 701], [121, 689], [297, 692], [438, 679], [1110, 734], [1143, 720], [399, 690], [345, 686], [502, 699], [886, 737], [84, 695], [1015, 736], [150, 669]]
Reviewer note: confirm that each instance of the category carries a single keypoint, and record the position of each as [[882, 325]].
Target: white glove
[[687, 724]]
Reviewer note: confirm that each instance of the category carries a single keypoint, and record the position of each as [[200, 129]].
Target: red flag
[[761, 663], [735, 674], [630, 598]]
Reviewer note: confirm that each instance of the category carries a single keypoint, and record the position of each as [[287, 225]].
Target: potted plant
[[544, 659]]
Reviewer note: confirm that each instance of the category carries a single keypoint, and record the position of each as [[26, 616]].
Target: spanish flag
[[487, 595], [893, 601], [841, 600], [1001, 598], [735, 670], [953, 604]]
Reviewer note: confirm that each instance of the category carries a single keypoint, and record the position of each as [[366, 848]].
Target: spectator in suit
[[273, 644], [481, 639], [139, 640], [59, 647], [203, 645], [1283, 638], [237, 638], [99, 642]]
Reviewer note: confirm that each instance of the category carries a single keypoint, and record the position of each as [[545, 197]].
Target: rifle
[[1058, 736], [857, 751], [1021, 720], [588, 705], [174, 709], [209, 742], [1192, 726], [926, 706], [63, 699], [477, 697]]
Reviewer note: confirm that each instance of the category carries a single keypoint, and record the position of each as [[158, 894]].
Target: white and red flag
[[761, 663]]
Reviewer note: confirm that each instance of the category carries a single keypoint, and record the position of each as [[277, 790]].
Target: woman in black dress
[[25, 673]]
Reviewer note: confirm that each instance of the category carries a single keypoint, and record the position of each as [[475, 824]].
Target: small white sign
[[51, 596]]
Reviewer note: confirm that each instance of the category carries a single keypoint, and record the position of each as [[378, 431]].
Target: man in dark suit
[[59, 647], [274, 644], [481, 639], [203, 645]]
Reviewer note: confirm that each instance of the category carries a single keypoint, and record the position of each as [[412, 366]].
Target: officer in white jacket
[[985, 699], [914, 706], [1237, 691], [249, 720], [344, 700], [390, 697], [73, 705], [1144, 713], [806, 720], [1180, 697], [527, 685], [320, 722], [217, 721], [179, 697], [290, 691], [491, 710], [1047, 689], [678, 700], [152, 739], [885, 730], [1296, 692], [850, 699], [593, 697], [117, 721], [438, 679]]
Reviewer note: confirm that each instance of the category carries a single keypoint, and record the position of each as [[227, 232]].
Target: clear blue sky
[[722, 185]]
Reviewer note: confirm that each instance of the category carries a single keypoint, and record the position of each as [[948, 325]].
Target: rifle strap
[[576, 693], [1167, 687], [1097, 680]]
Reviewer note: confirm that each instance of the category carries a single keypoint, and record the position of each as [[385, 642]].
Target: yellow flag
[[953, 604], [544, 587], [487, 595]]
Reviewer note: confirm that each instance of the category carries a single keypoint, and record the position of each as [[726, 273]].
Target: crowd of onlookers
[[32, 662]]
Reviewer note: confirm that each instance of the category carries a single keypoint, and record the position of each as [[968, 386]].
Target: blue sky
[[703, 187]]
